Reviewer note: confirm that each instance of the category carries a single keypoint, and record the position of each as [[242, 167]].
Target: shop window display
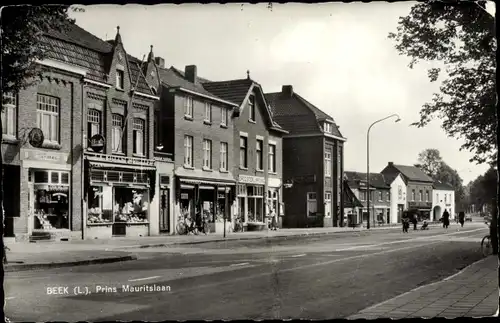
[[100, 205], [131, 205], [51, 208]]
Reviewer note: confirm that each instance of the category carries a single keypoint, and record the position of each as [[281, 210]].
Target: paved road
[[315, 278]]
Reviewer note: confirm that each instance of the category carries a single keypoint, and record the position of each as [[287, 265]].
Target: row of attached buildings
[[131, 147], [396, 189]]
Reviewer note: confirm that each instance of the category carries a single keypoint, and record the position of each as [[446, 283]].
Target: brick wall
[[299, 159], [199, 130]]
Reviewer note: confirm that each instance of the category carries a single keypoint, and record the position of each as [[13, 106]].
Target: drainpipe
[[82, 182]]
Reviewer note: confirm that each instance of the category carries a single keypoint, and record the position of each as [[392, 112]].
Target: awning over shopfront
[[198, 177], [95, 164], [194, 181]]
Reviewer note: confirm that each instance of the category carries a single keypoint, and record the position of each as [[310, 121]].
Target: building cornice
[[62, 66], [146, 95], [86, 80]]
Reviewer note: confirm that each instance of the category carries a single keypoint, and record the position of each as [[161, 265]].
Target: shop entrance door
[[164, 210]]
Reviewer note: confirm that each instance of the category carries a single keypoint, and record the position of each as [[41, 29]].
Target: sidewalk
[[25, 256], [473, 292]]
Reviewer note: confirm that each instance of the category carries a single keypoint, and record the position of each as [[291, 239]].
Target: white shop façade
[[118, 192]]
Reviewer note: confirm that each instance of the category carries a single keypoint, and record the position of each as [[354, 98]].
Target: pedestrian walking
[[406, 224], [446, 219], [274, 220], [415, 221], [461, 218]]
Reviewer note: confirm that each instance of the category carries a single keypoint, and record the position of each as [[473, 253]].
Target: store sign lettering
[[97, 143], [246, 179], [44, 156]]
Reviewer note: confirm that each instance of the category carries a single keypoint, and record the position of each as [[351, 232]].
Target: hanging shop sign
[[246, 179], [36, 138], [97, 143]]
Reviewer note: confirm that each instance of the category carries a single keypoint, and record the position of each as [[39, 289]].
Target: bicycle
[[486, 245], [238, 225], [183, 228]]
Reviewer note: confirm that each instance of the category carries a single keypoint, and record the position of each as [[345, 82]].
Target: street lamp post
[[368, 162]]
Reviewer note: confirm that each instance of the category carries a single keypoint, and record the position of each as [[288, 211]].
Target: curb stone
[[24, 267], [268, 238]]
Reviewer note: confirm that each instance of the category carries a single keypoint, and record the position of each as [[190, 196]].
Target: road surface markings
[[146, 278], [210, 285], [240, 264], [301, 255]]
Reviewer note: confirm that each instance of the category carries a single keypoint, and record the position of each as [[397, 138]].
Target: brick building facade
[[257, 151], [312, 161]]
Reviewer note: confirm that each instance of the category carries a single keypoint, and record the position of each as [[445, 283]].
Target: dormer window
[[119, 79], [327, 127]]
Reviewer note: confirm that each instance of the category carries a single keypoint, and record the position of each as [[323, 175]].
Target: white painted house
[[443, 198], [398, 197]]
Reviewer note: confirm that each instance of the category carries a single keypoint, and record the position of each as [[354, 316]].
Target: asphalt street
[[322, 277]]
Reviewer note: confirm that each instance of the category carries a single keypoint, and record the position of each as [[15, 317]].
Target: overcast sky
[[335, 55]]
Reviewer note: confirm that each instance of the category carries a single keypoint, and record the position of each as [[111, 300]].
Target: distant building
[[443, 199], [419, 187], [398, 197], [379, 194]]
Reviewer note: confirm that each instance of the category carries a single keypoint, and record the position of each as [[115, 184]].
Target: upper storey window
[[327, 127]]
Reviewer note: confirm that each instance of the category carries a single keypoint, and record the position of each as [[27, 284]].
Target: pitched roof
[[286, 111], [76, 46], [350, 199], [234, 90], [171, 78], [181, 73], [413, 173], [438, 185], [377, 180]]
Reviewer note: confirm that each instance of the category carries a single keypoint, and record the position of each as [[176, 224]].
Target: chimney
[[391, 164], [287, 90], [190, 73], [160, 62]]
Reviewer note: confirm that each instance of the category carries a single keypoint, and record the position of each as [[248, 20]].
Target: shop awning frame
[[103, 165], [194, 181]]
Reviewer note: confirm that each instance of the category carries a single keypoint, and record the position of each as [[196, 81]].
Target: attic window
[[327, 127]]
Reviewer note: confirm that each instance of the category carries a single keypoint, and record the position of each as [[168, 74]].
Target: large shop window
[[100, 204], [255, 203], [47, 116], [116, 133], [51, 200], [9, 103], [131, 204]]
